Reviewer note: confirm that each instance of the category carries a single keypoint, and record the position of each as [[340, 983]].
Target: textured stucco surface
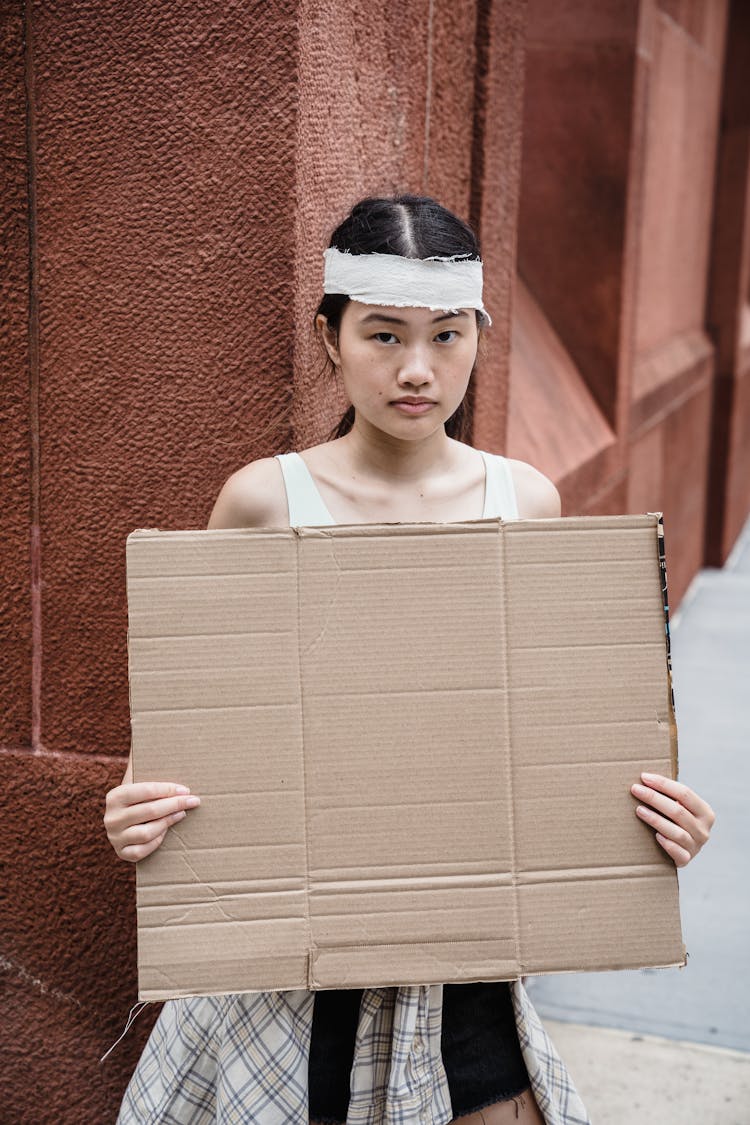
[[163, 143], [15, 595], [165, 149], [497, 171], [67, 950]]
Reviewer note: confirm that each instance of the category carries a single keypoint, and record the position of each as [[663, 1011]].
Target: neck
[[394, 460]]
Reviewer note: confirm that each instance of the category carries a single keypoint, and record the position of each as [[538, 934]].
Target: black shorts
[[480, 1049]]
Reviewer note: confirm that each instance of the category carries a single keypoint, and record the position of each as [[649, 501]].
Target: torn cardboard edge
[[337, 861], [667, 638]]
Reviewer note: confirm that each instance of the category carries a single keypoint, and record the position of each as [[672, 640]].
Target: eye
[[388, 337], [441, 336]]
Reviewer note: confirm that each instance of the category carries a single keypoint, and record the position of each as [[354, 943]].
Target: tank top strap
[[500, 498], [306, 507]]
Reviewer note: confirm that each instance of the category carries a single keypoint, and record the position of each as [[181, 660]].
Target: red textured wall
[[15, 608], [729, 301], [619, 204], [673, 356], [164, 144]]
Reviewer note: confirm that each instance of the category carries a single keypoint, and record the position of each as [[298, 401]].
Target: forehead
[[412, 315]]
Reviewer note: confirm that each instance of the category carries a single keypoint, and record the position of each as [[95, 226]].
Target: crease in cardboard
[[216, 898], [441, 942], [654, 870], [508, 743], [332, 602], [366, 885], [302, 743]]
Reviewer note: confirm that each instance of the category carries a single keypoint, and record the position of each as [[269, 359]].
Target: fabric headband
[[389, 279]]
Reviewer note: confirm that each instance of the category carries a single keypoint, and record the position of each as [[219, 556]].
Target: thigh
[[521, 1110]]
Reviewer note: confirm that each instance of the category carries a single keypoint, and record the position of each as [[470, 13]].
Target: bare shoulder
[[253, 496], [537, 496]]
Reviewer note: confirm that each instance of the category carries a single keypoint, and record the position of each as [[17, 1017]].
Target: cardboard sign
[[413, 744]]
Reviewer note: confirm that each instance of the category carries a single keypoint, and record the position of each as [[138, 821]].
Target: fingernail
[[649, 776], [181, 789], [192, 802], [179, 815]]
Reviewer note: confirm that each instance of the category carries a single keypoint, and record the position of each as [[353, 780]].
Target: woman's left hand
[[682, 819]]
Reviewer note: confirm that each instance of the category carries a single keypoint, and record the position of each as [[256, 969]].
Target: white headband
[[389, 279]]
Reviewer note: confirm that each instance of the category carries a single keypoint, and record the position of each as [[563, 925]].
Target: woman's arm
[[254, 496], [536, 495]]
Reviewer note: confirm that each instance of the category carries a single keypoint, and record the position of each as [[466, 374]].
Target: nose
[[416, 369]]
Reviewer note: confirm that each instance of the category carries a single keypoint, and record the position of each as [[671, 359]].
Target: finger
[[670, 808], [135, 793], [680, 856], [679, 792], [145, 833], [668, 829], [134, 852], [153, 810]]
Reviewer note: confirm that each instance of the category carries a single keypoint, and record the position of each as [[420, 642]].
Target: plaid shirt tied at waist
[[243, 1058]]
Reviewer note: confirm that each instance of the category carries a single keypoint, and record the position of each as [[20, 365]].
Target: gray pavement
[[708, 1002], [629, 1079]]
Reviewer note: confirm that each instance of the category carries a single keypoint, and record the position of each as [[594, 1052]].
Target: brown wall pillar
[[728, 313], [612, 365], [171, 174]]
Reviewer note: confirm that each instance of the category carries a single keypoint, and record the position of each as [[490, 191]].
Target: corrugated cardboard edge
[[667, 640], [673, 754]]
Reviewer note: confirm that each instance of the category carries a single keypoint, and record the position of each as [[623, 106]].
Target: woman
[[401, 321]]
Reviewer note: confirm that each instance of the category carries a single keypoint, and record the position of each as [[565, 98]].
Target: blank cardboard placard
[[413, 745]]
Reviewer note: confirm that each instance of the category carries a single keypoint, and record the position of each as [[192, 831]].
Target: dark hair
[[413, 226]]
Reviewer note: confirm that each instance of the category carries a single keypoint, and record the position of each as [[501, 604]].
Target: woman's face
[[385, 353]]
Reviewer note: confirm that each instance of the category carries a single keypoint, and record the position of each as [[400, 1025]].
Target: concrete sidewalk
[[669, 1017], [630, 1079]]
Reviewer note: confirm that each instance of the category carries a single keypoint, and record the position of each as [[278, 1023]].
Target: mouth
[[413, 405]]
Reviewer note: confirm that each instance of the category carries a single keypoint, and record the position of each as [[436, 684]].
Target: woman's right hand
[[138, 815]]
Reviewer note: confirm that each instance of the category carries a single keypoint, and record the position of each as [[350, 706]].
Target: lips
[[413, 401], [409, 406]]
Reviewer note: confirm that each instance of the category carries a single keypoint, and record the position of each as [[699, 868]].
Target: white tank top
[[306, 507]]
